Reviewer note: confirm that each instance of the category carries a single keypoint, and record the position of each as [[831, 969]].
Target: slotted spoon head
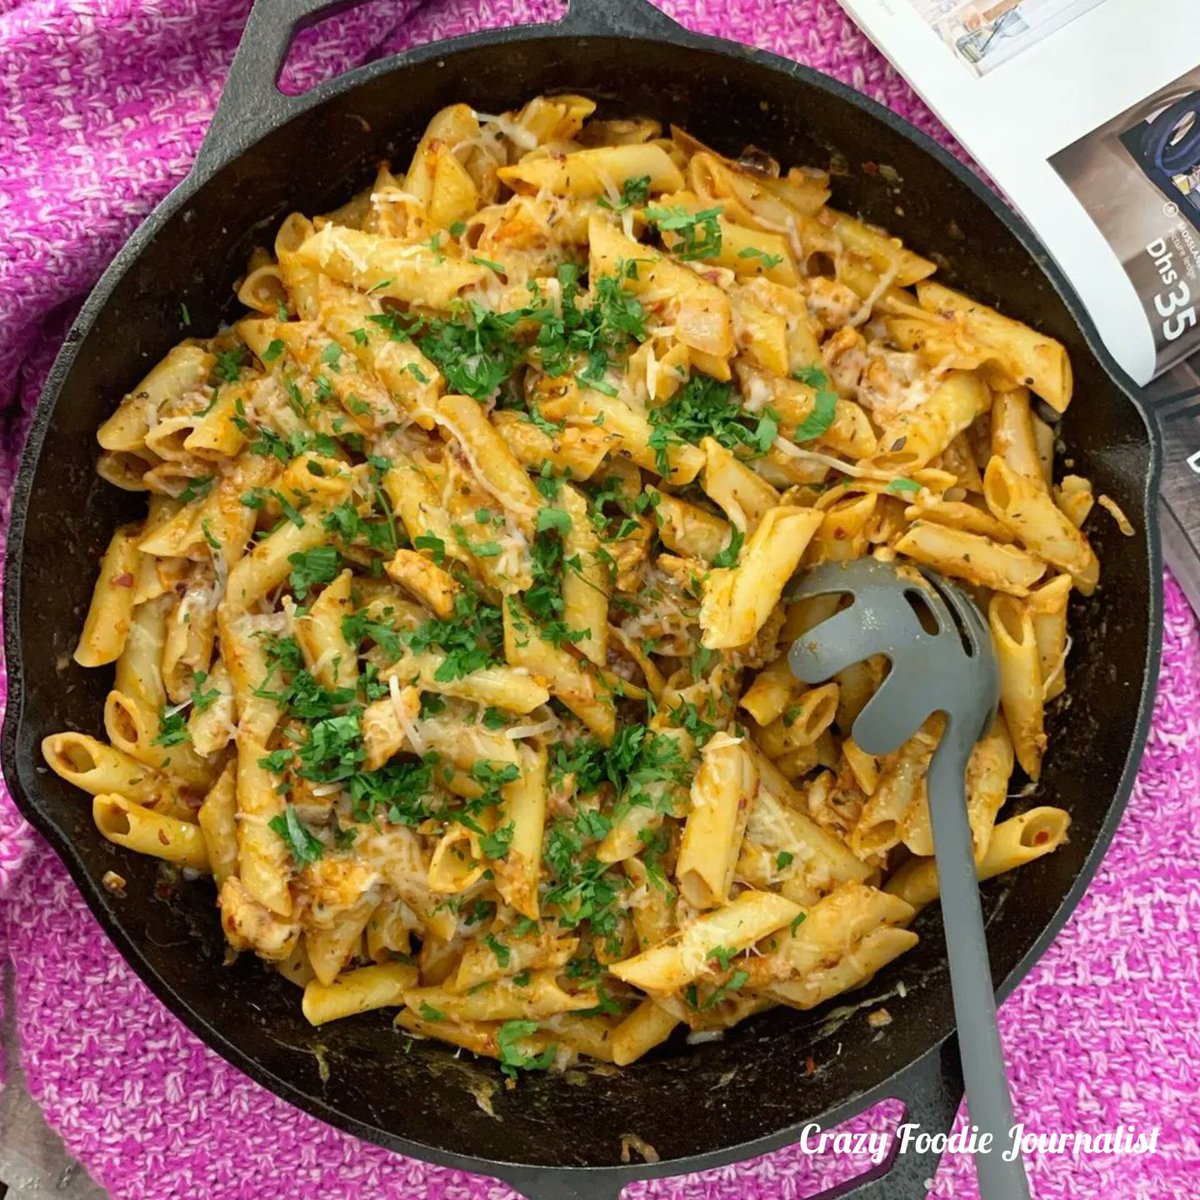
[[941, 661], [932, 634]]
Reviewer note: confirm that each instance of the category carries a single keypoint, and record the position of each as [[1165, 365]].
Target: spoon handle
[[984, 1073]]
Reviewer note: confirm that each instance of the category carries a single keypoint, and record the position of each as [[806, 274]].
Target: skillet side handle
[[931, 1090], [623, 18], [251, 103], [562, 1183]]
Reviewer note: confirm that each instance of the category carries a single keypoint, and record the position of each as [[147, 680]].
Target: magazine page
[[1086, 113]]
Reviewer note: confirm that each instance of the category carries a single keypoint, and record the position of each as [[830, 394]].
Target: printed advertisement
[[1138, 178], [985, 34]]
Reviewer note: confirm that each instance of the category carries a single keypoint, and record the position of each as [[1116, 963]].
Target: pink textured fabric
[[102, 106]]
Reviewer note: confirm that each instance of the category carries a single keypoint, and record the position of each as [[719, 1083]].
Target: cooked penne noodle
[[649, 1025], [110, 614], [127, 824], [738, 600], [1028, 358], [1026, 507], [972, 557], [1019, 840], [217, 819], [381, 986], [1021, 693], [722, 792], [735, 926]]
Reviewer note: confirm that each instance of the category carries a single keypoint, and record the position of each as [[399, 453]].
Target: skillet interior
[[684, 1101]]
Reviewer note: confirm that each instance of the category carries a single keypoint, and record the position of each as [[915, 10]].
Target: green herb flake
[[302, 843], [313, 567], [699, 233], [229, 364], [172, 728], [824, 405], [553, 519], [197, 489], [768, 260], [202, 699], [728, 557], [499, 949], [634, 193], [512, 1057], [432, 543]]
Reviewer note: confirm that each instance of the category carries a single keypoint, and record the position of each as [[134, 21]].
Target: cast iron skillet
[[268, 154]]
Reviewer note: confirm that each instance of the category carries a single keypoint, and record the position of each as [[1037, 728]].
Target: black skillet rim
[[216, 156]]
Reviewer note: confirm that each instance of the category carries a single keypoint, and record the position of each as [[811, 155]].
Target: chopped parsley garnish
[[634, 193], [229, 363], [728, 556], [499, 949], [554, 518], [512, 1057], [470, 640], [202, 700], [547, 483], [824, 406], [429, 1013], [699, 233], [734, 983], [476, 352], [768, 260], [706, 407], [172, 728], [904, 485], [612, 319], [312, 567], [784, 859], [357, 626], [197, 489], [302, 843], [721, 955], [547, 561], [496, 845], [432, 543], [273, 351]]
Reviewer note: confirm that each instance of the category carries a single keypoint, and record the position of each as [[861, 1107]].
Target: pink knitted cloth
[[102, 106]]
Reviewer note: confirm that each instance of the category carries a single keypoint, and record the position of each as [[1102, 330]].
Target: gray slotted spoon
[[952, 671]]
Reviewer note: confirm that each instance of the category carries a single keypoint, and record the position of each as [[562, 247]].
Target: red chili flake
[[124, 580], [162, 837], [810, 1067], [1041, 838], [870, 168]]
